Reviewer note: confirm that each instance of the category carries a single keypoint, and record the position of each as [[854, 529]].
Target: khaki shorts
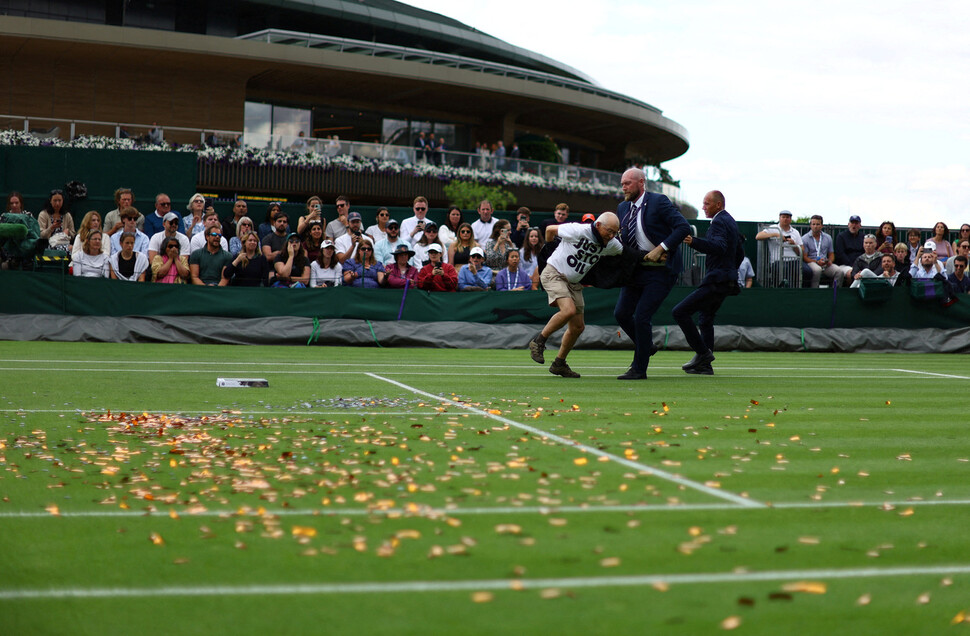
[[557, 286]]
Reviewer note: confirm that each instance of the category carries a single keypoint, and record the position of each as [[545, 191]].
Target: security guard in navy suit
[[724, 251], [652, 225]]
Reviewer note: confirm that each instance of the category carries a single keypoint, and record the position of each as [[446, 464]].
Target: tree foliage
[[468, 194]]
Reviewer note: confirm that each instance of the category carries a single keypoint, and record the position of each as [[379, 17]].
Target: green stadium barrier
[[49, 293]]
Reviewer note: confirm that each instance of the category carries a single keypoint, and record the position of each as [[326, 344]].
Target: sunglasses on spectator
[[342, 205], [465, 232], [366, 249], [215, 234], [420, 209], [165, 203], [383, 214], [243, 223]]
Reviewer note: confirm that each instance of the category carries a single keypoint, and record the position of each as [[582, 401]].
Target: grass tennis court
[[390, 491]]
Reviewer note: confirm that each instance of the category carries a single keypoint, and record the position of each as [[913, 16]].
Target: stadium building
[[373, 71]]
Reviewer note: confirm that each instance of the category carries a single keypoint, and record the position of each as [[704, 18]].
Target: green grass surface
[[390, 491]]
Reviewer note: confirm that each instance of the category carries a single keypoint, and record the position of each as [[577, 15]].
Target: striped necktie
[[630, 231]]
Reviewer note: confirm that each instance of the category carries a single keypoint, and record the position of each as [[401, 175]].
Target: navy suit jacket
[[663, 223], [721, 244]]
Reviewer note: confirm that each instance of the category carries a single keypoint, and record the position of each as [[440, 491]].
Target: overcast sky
[[818, 107]]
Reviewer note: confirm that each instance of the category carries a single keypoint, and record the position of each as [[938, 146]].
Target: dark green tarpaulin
[[52, 293]]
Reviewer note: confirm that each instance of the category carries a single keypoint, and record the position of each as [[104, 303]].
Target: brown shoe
[[537, 347], [559, 367]]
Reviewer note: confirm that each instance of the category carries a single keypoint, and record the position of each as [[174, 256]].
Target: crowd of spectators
[[854, 255], [488, 253], [199, 248]]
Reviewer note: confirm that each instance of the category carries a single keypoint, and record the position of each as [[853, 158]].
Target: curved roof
[[393, 22]]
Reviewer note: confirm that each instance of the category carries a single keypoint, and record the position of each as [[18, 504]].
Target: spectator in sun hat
[[475, 276], [437, 275], [401, 270]]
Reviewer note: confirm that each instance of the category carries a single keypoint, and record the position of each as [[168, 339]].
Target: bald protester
[[581, 246]]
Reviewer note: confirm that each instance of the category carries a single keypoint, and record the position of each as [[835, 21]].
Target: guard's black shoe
[[704, 369], [699, 360], [632, 374]]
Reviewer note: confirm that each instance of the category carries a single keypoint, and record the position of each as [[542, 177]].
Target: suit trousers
[[704, 301], [635, 309]]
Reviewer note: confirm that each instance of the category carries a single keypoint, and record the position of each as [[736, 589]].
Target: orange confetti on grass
[[808, 587], [580, 461], [610, 562], [508, 528], [482, 597], [156, 538], [304, 531], [54, 510], [495, 411]]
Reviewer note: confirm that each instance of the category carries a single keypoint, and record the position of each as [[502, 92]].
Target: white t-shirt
[[483, 231], [155, 243], [332, 277], [579, 250], [789, 253]]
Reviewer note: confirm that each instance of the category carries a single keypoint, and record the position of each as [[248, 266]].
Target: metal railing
[[414, 155], [391, 51], [70, 129]]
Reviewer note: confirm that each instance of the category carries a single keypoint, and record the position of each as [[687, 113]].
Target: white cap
[[476, 251]]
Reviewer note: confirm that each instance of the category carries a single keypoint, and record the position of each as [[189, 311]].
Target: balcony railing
[[69, 129]]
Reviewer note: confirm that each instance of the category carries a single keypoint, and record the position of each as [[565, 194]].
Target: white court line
[[126, 365], [283, 411], [347, 587], [529, 371], [938, 375], [430, 512], [714, 492]]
